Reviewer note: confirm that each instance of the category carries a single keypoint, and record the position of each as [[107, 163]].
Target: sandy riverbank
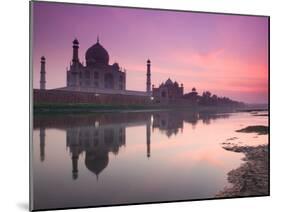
[[251, 178]]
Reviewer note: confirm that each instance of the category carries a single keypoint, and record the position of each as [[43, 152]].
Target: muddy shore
[[251, 178]]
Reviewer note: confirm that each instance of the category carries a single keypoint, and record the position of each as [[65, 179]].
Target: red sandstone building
[[167, 91]]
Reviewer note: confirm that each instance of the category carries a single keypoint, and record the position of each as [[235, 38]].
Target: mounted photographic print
[[137, 105]]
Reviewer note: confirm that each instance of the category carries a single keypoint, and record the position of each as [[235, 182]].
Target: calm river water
[[134, 157]]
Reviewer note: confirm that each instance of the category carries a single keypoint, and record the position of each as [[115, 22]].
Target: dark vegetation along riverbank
[[251, 178], [88, 108]]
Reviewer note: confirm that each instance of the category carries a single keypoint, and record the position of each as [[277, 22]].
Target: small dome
[[97, 54], [43, 58], [148, 61], [116, 66], [169, 82], [176, 83], [75, 41]]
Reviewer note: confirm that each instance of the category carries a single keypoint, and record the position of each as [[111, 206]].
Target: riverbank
[[91, 108], [251, 178]]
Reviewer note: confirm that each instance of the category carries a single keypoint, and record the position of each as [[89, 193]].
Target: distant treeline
[[209, 99]]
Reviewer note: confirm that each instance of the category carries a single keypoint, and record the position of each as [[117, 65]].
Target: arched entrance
[[163, 94], [108, 81]]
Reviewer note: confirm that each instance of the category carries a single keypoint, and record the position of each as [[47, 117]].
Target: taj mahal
[[99, 77], [97, 73]]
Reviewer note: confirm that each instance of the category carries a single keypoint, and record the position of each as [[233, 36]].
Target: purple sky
[[225, 54]]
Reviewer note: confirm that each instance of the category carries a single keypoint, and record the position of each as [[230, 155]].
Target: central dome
[[169, 82], [97, 54], [96, 160]]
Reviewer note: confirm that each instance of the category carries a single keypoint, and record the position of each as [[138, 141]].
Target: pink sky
[[225, 54]]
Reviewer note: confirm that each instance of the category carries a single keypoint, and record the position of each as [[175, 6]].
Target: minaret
[[148, 79], [73, 78], [43, 74], [75, 58], [148, 124], [42, 143], [74, 159]]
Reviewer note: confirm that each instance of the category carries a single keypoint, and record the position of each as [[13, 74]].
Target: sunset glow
[[225, 54]]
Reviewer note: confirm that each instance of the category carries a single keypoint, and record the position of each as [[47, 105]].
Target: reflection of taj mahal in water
[[99, 135], [97, 142]]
